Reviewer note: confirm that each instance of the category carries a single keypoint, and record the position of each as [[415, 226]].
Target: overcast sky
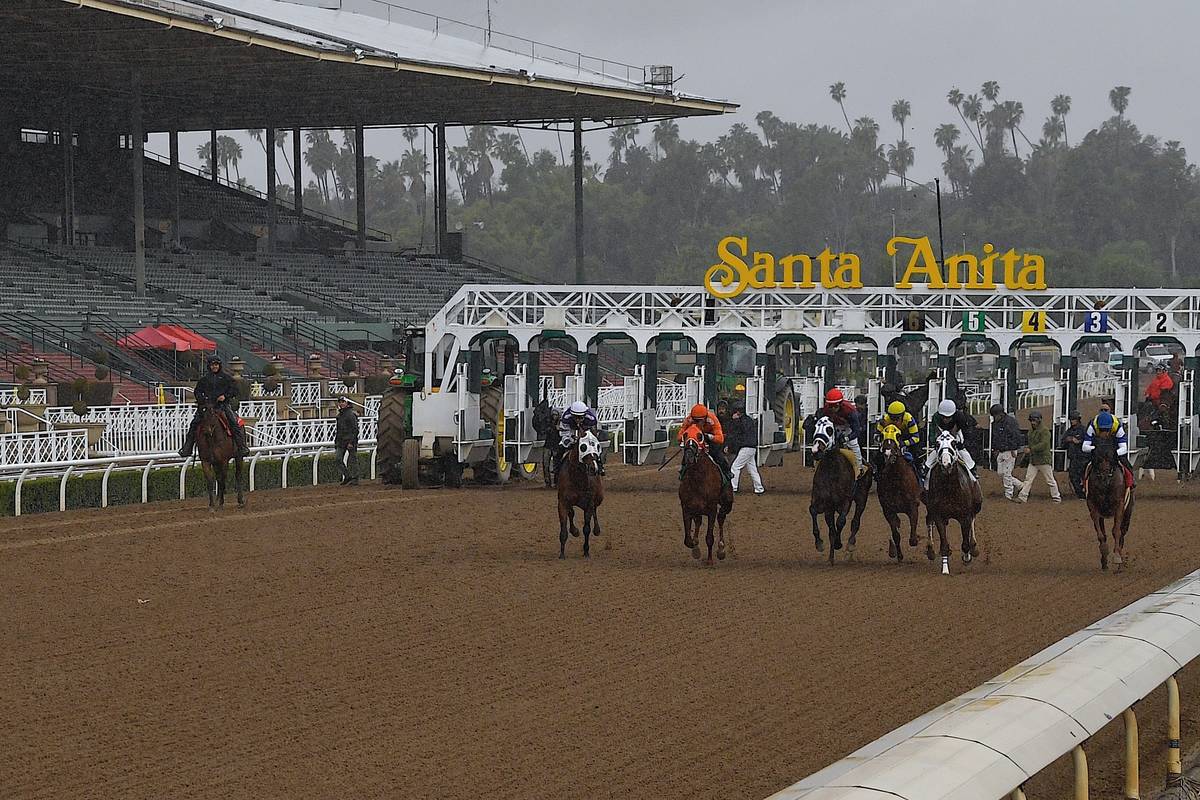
[[782, 55]]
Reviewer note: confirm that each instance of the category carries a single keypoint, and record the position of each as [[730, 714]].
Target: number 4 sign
[[1095, 322], [1033, 321], [974, 321]]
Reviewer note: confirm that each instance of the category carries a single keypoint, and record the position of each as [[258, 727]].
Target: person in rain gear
[[219, 388]]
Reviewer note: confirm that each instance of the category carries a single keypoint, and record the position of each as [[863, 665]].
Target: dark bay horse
[[952, 495], [1108, 497], [214, 443], [898, 490], [703, 493], [580, 486], [544, 418], [835, 488]]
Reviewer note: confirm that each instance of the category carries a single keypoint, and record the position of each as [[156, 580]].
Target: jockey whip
[[669, 460]]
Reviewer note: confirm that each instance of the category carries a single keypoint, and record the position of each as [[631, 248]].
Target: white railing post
[[17, 493], [183, 470], [104, 484], [316, 461], [287, 456], [62, 490], [374, 453], [146, 481]]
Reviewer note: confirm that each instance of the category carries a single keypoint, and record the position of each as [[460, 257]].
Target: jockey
[[949, 418], [1107, 423], [575, 421], [219, 388], [1160, 386], [844, 416], [710, 426], [910, 434]]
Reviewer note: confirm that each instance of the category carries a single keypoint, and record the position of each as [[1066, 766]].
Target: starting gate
[[1187, 449]]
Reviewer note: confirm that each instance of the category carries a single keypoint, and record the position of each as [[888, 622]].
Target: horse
[[214, 443], [544, 417], [580, 486], [952, 495], [835, 487], [1108, 497], [898, 490], [703, 493]]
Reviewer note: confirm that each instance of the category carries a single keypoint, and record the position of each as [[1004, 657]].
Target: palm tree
[[320, 157], [481, 140], [410, 135], [955, 98], [460, 162], [666, 136], [205, 154], [901, 111], [229, 151], [1014, 114], [1053, 129], [900, 157], [945, 136], [837, 91], [281, 141], [1061, 106], [957, 167], [991, 90], [973, 110], [1118, 98]]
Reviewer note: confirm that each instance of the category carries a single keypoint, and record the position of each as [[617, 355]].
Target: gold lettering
[[921, 262], [1033, 274], [789, 274], [1010, 268], [987, 268], [763, 274], [825, 259], [952, 263], [849, 272], [729, 278]]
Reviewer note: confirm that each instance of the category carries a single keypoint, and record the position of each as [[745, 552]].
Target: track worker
[[1007, 441], [1041, 459], [708, 424], [742, 441], [950, 418], [216, 387], [345, 442], [844, 416]]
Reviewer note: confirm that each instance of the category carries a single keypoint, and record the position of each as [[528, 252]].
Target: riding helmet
[[578, 408], [1104, 421], [895, 408], [1160, 367], [946, 408], [1074, 415], [834, 396], [1035, 414], [699, 411]]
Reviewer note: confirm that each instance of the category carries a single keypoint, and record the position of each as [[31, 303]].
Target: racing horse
[[952, 495], [580, 485], [898, 490], [544, 417], [214, 443], [1108, 497], [703, 493], [835, 488]]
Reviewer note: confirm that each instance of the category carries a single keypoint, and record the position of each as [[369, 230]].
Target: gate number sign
[[974, 321], [1095, 322], [1033, 321]]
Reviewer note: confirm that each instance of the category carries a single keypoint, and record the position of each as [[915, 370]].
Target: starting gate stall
[[870, 317], [1187, 448]]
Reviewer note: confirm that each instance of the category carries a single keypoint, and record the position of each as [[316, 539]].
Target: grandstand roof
[[289, 63]]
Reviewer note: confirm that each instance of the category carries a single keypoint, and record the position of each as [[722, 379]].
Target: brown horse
[[899, 491], [703, 493], [952, 495], [835, 488], [1108, 497], [579, 486], [216, 448]]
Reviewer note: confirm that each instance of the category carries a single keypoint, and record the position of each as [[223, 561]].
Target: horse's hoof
[[891, 549], [899, 555], [1104, 563], [974, 550], [913, 541], [562, 556], [574, 532], [1117, 559], [720, 555], [837, 545], [820, 545], [929, 553], [696, 552], [587, 554], [966, 557], [708, 562]]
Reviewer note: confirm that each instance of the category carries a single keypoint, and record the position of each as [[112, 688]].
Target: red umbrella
[[196, 340], [152, 338]]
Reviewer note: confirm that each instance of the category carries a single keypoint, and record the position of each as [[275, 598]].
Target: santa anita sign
[[740, 269]]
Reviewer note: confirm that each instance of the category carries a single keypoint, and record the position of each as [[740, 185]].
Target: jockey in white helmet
[[577, 419], [950, 418]]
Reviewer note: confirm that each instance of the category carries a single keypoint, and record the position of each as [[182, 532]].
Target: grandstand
[[102, 238]]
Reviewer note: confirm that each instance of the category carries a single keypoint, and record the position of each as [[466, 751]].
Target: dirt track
[[377, 643]]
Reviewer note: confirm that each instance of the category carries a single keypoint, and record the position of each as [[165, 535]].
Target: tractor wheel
[[784, 407], [391, 435], [410, 464], [498, 467]]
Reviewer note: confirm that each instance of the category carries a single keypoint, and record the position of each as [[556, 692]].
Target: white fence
[[306, 431], [8, 397], [148, 428], [42, 446], [985, 744], [610, 408], [671, 405], [307, 393]]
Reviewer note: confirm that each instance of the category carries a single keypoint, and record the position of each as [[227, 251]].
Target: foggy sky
[[782, 55]]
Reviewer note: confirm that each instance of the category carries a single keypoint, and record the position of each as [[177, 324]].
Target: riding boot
[[189, 444], [601, 464], [239, 441], [1132, 472]]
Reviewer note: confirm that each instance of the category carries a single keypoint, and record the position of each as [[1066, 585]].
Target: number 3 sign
[[1096, 322]]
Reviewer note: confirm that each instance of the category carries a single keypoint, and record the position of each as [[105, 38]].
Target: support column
[[176, 211], [360, 187], [439, 184], [68, 152], [297, 176], [1174, 763], [1132, 781], [272, 208], [578, 159], [139, 191], [212, 155]]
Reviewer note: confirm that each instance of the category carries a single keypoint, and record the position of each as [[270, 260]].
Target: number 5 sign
[[1033, 322], [1095, 322], [974, 321]]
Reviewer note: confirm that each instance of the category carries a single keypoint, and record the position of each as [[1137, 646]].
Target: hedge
[[125, 486]]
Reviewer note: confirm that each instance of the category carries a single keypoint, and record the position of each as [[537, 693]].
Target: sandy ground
[[373, 642]]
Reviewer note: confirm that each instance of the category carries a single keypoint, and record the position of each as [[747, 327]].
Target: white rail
[[307, 393], [8, 397], [671, 405], [985, 744], [42, 446], [610, 408]]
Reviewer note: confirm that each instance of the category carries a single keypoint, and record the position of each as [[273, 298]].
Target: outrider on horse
[[218, 390], [216, 445], [835, 486], [704, 491], [580, 485]]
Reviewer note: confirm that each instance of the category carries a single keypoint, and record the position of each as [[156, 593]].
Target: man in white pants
[[742, 440], [1007, 441]]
